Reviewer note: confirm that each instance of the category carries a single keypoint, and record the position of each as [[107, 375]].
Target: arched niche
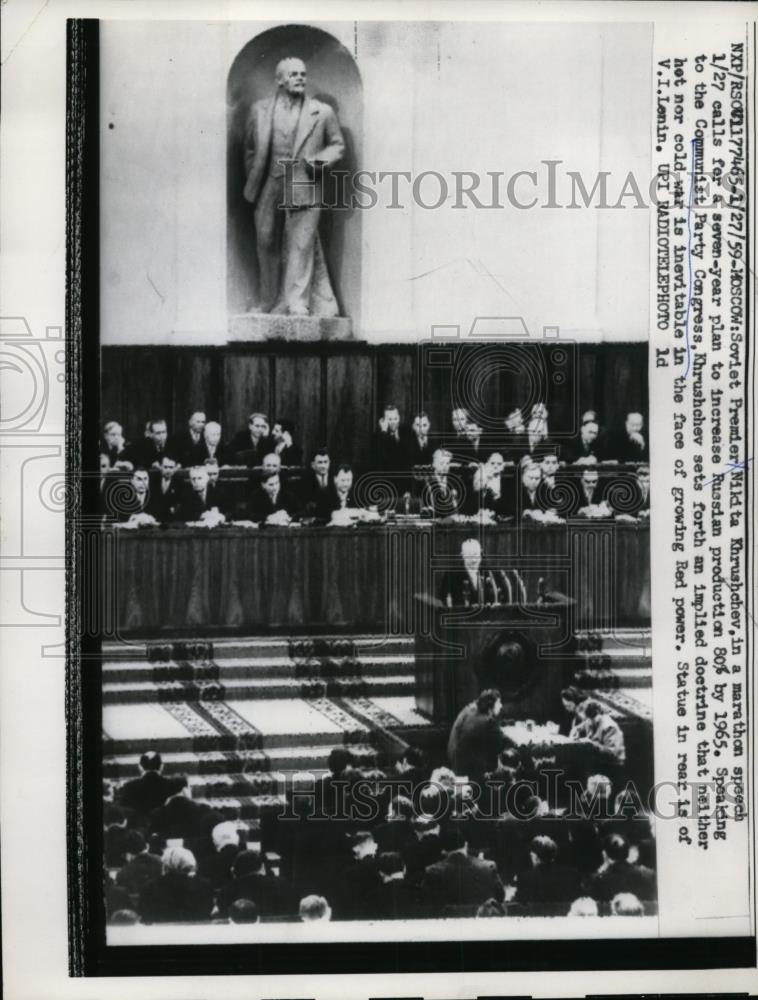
[[333, 78]]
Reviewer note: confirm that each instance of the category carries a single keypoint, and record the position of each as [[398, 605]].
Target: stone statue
[[289, 140]]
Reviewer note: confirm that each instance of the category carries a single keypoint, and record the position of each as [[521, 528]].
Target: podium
[[522, 650]]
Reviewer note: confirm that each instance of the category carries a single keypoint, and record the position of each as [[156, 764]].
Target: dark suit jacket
[[176, 897], [546, 886], [273, 895], [291, 456], [443, 500], [136, 873], [223, 454], [163, 504], [353, 885], [260, 506], [245, 452], [391, 454], [620, 447], [419, 853], [394, 900], [191, 506], [475, 742], [576, 449], [186, 451], [331, 502], [416, 454], [314, 498], [458, 880], [143, 453], [127, 504], [147, 792], [184, 818], [318, 137], [458, 586], [621, 876]]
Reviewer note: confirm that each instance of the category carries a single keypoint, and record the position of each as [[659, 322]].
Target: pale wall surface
[[437, 96]]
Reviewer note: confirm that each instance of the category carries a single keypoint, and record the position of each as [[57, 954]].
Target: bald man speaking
[[290, 139]]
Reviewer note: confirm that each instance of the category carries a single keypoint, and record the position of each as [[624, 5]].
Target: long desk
[[170, 580]]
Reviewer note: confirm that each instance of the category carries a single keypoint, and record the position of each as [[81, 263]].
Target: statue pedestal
[[263, 326]]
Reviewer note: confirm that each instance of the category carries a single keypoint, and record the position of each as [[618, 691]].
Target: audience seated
[[141, 866], [393, 897], [272, 894], [200, 499], [244, 911], [468, 477], [177, 893], [618, 874], [314, 909], [187, 445], [548, 881], [151, 788], [457, 878], [271, 502]]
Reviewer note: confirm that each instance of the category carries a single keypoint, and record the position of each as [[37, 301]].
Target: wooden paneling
[[350, 407], [333, 393], [297, 389], [245, 382]]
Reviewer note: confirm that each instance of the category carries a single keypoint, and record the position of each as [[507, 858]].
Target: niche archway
[[333, 78]]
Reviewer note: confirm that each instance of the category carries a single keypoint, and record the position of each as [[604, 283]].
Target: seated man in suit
[[393, 897], [270, 502], [591, 498], [187, 444], [458, 879], [472, 451], [148, 452], [438, 493], [115, 447], [212, 447], [619, 874], [537, 434], [531, 477], [200, 502], [459, 418], [271, 463], [274, 895], [163, 492], [341, 496], [643, 484], [151, 788], [420, 449], [135, 506], [548, 886], [476, 738], [248, 447], [629, 444], [490, 488], [315, 490], [282, 433], [391, 443], [586, 445]]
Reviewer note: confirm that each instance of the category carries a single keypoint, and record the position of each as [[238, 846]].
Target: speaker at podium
[[520, 649]]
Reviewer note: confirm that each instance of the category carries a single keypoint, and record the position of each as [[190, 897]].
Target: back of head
[[247, 863], [339, 760], [545, 849], [401, 807], [626, 904], [487, 701], [585, 906], [151, 761], [134, 842], [314, 908], [414, 757], [124, 918], [178, 860], [616, 847], [223, 834], [244, 911], [592, 708], [390, 863], [452, 839]]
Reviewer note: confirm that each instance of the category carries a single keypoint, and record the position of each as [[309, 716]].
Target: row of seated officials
[[396, 446], [172, 859], [279, 493]]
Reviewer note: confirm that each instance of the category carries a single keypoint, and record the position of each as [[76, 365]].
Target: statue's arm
[[334, 149], [249, 147]]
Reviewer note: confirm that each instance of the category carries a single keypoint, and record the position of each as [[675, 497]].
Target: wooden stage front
[[229, 580]]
